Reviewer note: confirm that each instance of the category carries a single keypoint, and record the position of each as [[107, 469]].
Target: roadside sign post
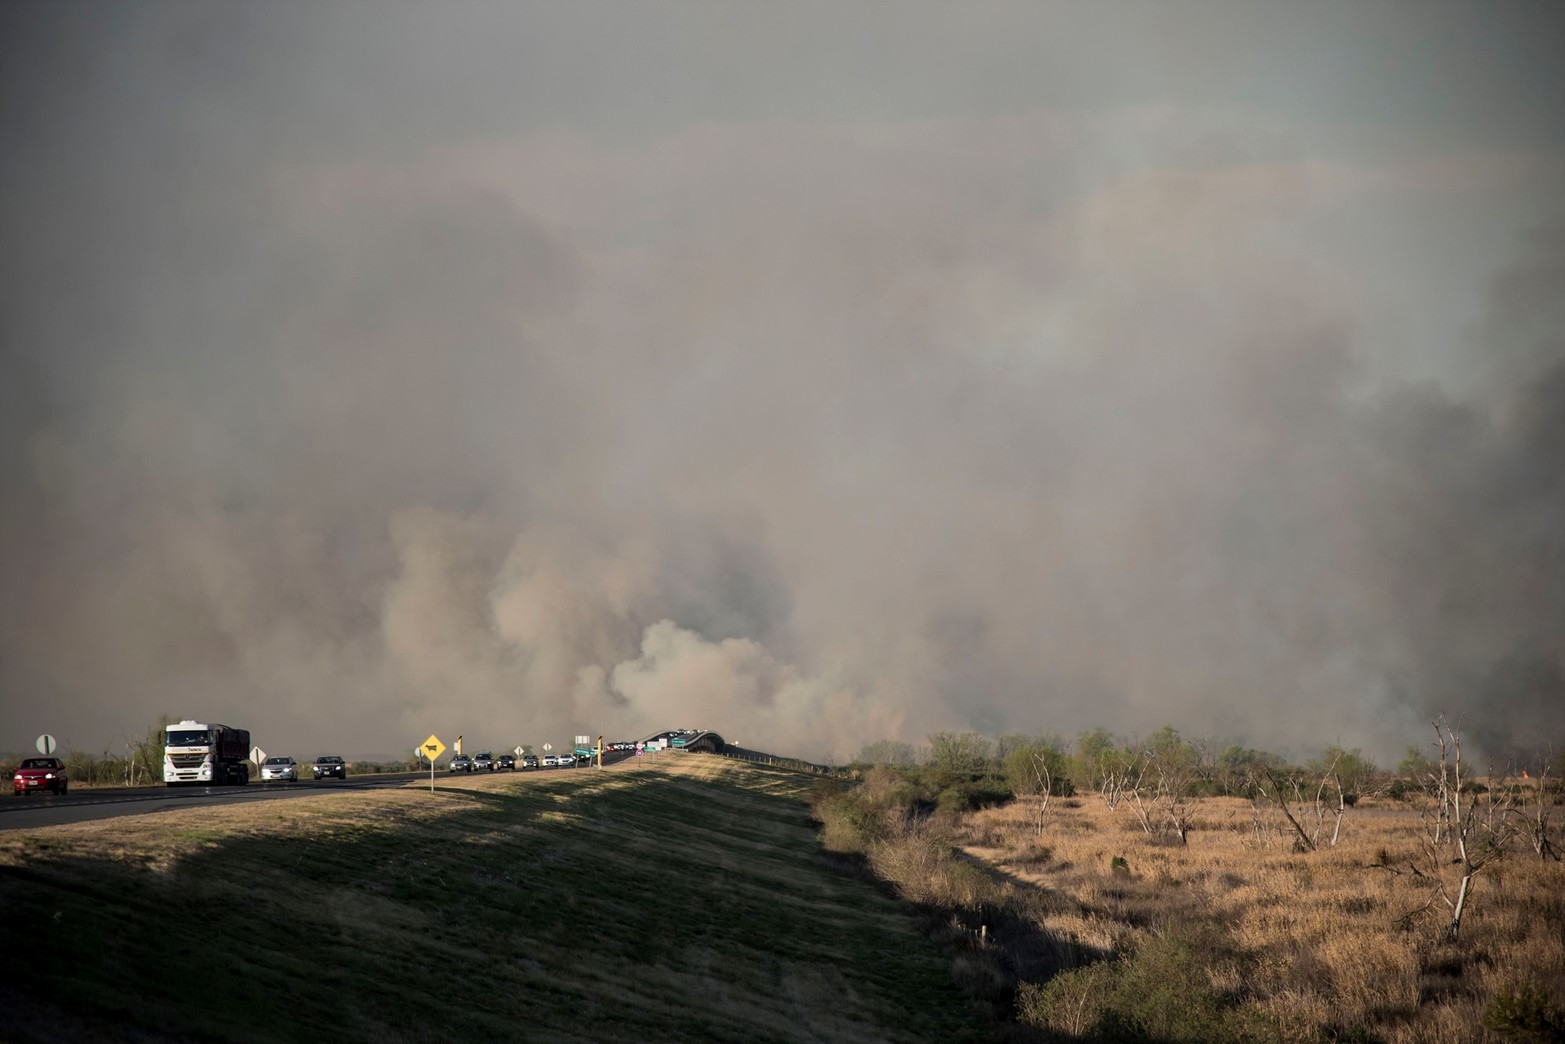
[[600, 751], [432, 748], [46, 744], [257, 755]]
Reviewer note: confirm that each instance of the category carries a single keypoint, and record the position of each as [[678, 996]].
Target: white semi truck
[[196, 752]]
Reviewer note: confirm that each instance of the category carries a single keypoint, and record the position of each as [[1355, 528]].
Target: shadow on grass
[[669, 906]]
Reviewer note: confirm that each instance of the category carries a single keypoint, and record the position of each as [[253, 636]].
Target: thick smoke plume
[[813, 429]]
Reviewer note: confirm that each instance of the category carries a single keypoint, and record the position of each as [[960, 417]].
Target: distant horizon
[[1293, 755]]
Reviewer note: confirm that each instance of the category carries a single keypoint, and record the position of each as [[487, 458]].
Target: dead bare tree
[[1440, 783], [1270, 786], [1323, 808], [1044, 781], [1536, 807], [1303, 842], [1133, 789], [1123, 773], [144, 755], [132, 749], [1467, 830], [1172, 797], [1033, 770], [1260, 829]]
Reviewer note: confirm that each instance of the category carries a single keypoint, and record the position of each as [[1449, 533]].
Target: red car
[[40, 774]]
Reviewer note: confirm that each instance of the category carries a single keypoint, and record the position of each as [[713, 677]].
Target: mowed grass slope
[[681, 900]]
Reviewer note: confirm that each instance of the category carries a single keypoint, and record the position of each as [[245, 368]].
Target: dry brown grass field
[[1319, 944]]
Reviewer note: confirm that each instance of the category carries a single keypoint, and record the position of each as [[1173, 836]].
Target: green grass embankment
[[678, 901]]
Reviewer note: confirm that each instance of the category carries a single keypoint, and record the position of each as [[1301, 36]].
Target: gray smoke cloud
[[369, 371]]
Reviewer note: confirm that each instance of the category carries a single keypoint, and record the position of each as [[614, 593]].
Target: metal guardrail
[[760, 758], [692, 745]]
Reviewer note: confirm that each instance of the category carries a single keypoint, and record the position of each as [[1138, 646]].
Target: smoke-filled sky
[[814, 372]]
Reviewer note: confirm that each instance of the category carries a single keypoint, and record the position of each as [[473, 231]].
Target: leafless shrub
[[1535, 808], [1123, 772], [1468, 829]]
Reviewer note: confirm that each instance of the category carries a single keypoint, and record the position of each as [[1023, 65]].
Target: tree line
[[1099, 760]]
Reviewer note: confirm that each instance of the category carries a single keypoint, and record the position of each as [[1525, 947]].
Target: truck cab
[[197, 752]]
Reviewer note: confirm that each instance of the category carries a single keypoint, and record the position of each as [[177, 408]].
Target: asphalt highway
[[84, 805]]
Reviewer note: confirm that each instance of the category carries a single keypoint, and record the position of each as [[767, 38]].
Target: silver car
[[280, 767]]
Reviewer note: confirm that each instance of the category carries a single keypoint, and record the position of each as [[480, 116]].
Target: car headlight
[[48, 775]]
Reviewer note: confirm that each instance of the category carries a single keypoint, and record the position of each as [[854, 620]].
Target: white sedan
[[280, 767]]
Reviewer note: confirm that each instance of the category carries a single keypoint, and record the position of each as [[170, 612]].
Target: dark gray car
[[328, 765]]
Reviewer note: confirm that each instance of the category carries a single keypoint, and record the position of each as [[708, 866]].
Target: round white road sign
[[46, 744]]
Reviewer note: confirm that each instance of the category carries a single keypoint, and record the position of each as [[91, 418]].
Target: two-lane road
[[82, 805]]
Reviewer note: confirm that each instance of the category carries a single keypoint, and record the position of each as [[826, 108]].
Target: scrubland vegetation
[[1154, 891]]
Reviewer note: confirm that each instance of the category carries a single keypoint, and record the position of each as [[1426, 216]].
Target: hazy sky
[[817, 373]]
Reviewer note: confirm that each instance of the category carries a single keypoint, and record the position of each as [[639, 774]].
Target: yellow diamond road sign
[[433, 748]]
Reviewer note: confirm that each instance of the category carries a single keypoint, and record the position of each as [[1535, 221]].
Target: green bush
[[846, 825], [964, 797], [1525, 1012], [1160, 992], [823, 790], [1071, 1003], [953, 799]]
